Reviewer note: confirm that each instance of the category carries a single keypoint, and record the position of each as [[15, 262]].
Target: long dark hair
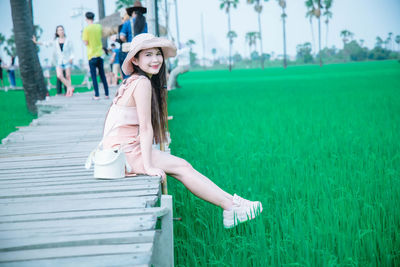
[[56, 35], [140, 23], [158, 100]]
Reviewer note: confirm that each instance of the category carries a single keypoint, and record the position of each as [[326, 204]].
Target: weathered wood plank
[[78, 222], [158, 211], [35, 254], [118, 260], [140, 201], [74, 189], [72, 205], [88, 180]]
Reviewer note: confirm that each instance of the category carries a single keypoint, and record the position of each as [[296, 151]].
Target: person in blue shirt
[[135, 25]]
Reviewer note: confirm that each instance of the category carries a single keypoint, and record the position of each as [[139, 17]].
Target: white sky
[[366, 18]]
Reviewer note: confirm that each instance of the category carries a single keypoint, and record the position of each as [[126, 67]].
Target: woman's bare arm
[[142, 96]]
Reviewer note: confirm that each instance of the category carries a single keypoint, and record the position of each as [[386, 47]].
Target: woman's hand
[[156, 172], [34, 39]]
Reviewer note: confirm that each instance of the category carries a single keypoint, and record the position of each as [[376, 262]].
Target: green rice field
[[320, 147]]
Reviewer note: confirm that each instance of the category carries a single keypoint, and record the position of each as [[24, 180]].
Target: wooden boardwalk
[[54, 213]]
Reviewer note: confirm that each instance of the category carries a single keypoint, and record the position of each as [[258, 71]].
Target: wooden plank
[[17, 183], [76, 188], [72, 205], [11, 193], [118, 260], [11, 242], [140, 201], [89, 222], [158, 211], [35, 254]]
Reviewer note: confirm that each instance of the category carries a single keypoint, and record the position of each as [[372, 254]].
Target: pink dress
[[121, 127]]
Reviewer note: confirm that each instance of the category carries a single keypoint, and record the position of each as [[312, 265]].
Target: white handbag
[[108, 163]]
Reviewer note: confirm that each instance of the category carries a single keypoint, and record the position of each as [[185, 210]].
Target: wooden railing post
[[163, 253]]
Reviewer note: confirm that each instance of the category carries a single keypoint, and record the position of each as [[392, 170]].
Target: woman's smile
[[150, 60]]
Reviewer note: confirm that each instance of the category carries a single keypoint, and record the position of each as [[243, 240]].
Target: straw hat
[[146, 41]]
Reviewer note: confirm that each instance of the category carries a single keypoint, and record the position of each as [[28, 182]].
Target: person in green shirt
[[91, 36]]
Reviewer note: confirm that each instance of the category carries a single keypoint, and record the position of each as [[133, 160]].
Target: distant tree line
[[353, 50]]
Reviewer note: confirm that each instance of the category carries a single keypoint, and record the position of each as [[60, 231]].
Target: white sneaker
[[242, 210]]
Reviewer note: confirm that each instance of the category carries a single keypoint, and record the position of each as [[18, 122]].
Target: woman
[[11, 72], [140, 107], [62, 57]]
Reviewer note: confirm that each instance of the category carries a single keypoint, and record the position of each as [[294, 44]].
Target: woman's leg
[[70, 91], [197, 183], [61, 77]]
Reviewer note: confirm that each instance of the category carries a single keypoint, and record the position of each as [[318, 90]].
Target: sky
[[367, 19]]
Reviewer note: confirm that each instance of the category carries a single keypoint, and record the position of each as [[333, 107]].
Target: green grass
[[13, 111], [318, 146]]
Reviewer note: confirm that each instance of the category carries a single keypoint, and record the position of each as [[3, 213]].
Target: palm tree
[[258, 8], [314, 8], [317, 13], [310, 15], [122, 4], [2, 40], [31, 72], [227, 5], [388, 41], [345, 34], [397, 40], [282, 4], [328, 16], [214, 52], [251, 39], [10, 47], [379, 42], [230, 35]]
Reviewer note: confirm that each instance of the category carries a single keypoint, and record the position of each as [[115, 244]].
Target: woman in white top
[[62, 57]]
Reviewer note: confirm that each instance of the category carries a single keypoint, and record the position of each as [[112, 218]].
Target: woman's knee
[[183, 168], [60, 76]]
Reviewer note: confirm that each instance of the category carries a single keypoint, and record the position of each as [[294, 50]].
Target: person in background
[[63, 55], [60, 86], [46, 74], [135, 25], [183, 57], [91, 36], [1, 73], [11, 72], [107, 65], [115, 65]]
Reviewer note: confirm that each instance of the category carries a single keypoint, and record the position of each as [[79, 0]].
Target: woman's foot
[[70, 91], [242, 210], [95, 98]]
